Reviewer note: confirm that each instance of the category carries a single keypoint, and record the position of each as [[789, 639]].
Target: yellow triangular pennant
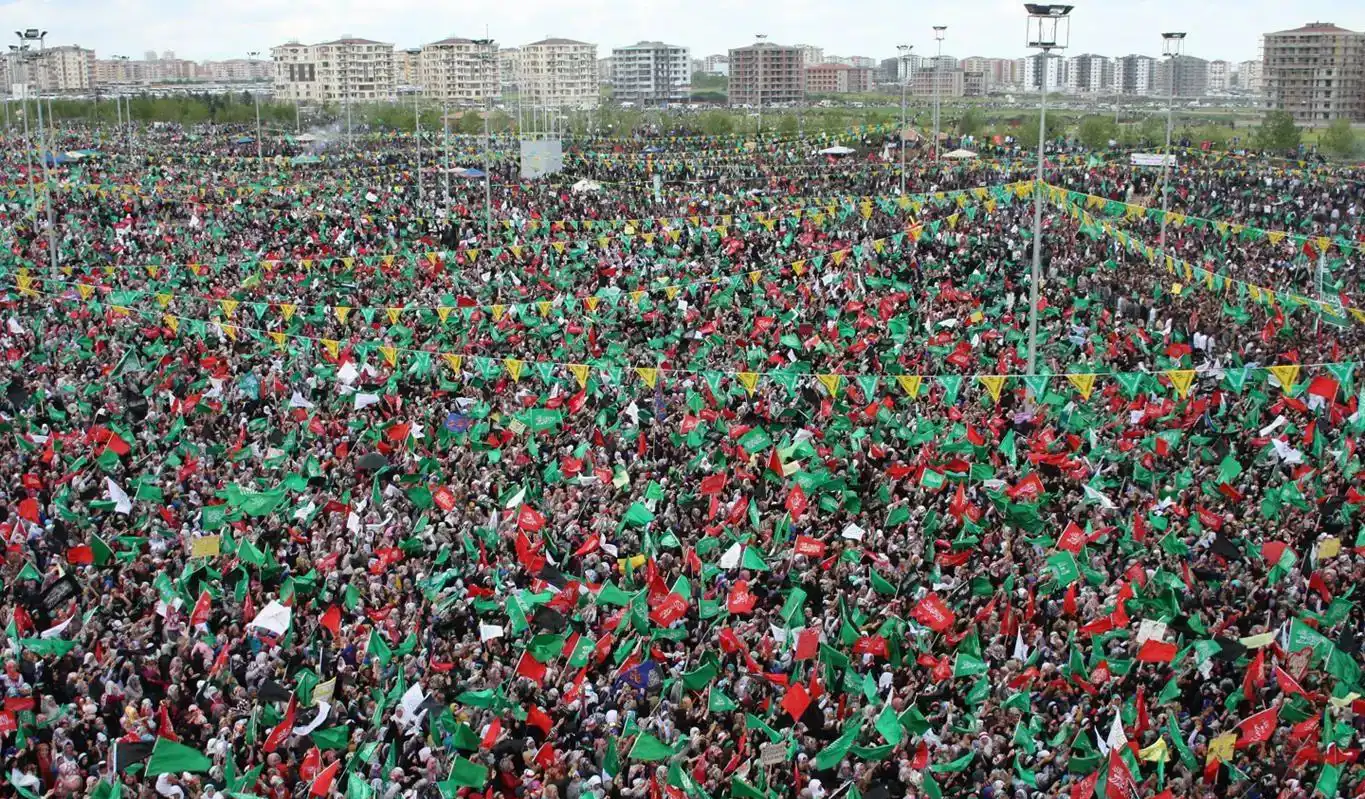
[[390, 355], [831, 383], [331, 345], [1084, 383], [993, 384], [453, 360], [514, 367], [342, 311], [443, 312], [1181, 379], [228, 306], [1286, 374], [580, 373], [648, 374], [909, 384], [749, 380], [393, 314], [287, 310], [279, 337]]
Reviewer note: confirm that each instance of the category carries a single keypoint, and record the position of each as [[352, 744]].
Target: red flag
[[81, 555], [1287, 683], [491, 737], [1086, 787], [530, 668], [932, 613], [810, 547], [1120, 784], [921, 759], [1254, 679], [672, 608], [538, 718], [284, 728], [443, 497], [312, 761], [712, 484], [1073, 538], [1258, 728], [322, 785], [807, 644], [202, 607], [740, 601], [163, 725], [529, 519], [796, 502], [796, 701], [332, 620], [1154, 651], [28, 509], [775, 464]]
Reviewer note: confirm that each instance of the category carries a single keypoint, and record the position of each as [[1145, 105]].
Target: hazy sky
[[202, 29]]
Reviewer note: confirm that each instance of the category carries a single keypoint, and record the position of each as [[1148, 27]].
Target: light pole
[[1049, 28], [1171, 45], [488, 62], [256, 96], [128, 131], [904, 50], [31, 35], [417, 127], [20, 53], [758, 56], [938, 80]]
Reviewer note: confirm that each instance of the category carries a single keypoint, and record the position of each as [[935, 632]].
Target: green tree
[[1339, 139], [971, 122], [1277, 132], [716, 123], [1027, 132], [1097, 131]]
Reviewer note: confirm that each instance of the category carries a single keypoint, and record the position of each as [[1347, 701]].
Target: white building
[[458, 71], [559, 73], [810, 54], [651, 73], [347, 70], [1135, 75], [1040, 71], [68, 68], [1250, 76], [1220, 76], [509, 66], [718, 64], [1089, 74], [866, 62]]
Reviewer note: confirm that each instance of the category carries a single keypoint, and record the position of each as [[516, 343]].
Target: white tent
[[583, 186], [306, 138], [959, 154], [837, 149], [274, 617]]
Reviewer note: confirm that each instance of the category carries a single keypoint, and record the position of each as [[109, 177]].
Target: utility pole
[[758, 56], [29, 35], [488, 60], [1172, 44], [938, 81], [905, 83], [256, 95]]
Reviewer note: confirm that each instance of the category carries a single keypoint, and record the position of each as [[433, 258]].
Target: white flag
[[488, 632], [121, 502]]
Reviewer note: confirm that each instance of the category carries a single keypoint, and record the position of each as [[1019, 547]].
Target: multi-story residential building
[[1044, 71], [1018, 66], [994, 72], [347, 70], [67, 68], [838, 59], [1135, 75], [1191, 76], [975, 84], [559, 73], [1089, 74], [949, 83], [887, 71], [651, 73], [407, 70], [1250, 76], [810, 54], [236, 69], [1220, 76], [1316, 73], [458, 71], [946, 61], [837, 79], [863, 62], [509, 66], [716, 64], [908, 65], [765, 73], [604, 70]]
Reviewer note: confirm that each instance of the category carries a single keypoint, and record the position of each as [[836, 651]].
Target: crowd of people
[[750, 481]]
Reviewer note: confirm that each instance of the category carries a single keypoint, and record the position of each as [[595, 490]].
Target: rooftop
[[650, 46], [1317, 27], [350, 40], [556, 41], [451, 40]]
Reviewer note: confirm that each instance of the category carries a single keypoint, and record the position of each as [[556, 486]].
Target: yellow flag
[[279, 338], [443, 312], [498, 311], [172, 322], [591, 302], [636, 296], [1220, 748], [307, 264], [287, 310], [229, 331], [342, 311], [544, 306], [798, 267], [1286, 374], [85, 290], [513, 367], [1156, 753], [831, 383], [580, 373], [909, 384], [453, 360], [228, 306], [1275, 236], [393, 314], [749, 380], [390, 355], [839, 256], [1084, 383], [648, 374], [993, 384], [753, 276], [1181, 379], [331, 345]]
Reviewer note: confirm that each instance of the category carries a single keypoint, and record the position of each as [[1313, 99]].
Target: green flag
[[169, 757], [466, 773], [649, 748]]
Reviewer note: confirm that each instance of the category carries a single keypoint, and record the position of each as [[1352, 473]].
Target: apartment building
[[1316, 72], [458, 71], [1044, 71], [863, 62], [509, 66], [559, 73], [947, 82], [1250, 76], [1089, 74], [347, 70], [837, 79], [58, 70], [1191, 76], [716, 64], [1220, 76], [1135, 75], [810, 54], [766, 73], [651, 73]]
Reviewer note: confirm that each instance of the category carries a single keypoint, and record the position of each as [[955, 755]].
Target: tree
[[1097, 131], [1027, 133], [1339, 139], [971, 122], [1277, 132]]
